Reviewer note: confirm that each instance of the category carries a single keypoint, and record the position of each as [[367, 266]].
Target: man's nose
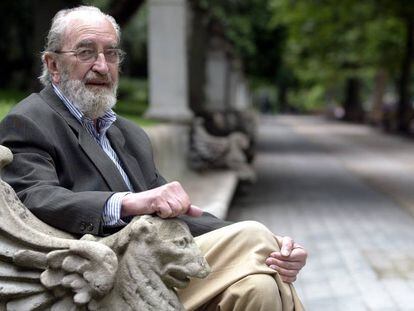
[[100, 65]]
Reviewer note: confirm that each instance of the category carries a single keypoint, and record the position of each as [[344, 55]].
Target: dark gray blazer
[[64, 177]]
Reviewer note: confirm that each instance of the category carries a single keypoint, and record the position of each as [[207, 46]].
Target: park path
[[345, 192]]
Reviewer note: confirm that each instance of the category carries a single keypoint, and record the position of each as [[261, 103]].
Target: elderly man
[[81, 168]]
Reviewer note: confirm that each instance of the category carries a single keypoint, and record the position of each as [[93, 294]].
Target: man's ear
[[52, 66]]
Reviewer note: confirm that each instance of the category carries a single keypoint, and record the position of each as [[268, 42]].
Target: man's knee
[[253, 232], [252, 225], [260, 286], [253, 292], [250, 228]]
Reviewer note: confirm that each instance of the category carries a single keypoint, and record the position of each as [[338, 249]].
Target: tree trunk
[[404, 106], [377, 109], [282, 100], [352, 105]]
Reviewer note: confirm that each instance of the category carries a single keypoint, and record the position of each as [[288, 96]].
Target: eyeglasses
[[85, 55]]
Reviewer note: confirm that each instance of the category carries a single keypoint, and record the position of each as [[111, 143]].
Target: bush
[[9, 98], [132, 106], [308, 100], [5, 107], [132, 96]]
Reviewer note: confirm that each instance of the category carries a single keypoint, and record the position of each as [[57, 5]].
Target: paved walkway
[[345, 193]]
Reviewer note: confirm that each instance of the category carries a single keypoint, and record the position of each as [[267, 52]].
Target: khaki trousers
[[239, 278]]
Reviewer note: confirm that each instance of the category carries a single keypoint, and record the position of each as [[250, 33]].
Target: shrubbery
[[132, 96]]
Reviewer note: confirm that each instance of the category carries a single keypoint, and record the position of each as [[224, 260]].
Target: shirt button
[[82, 226], [90, 227]]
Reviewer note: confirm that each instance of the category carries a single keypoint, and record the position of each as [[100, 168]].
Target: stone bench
[[43, 268], [211, 190], [137, 268]]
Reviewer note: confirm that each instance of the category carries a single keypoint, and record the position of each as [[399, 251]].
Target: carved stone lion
[[208, 151], [137, 268]]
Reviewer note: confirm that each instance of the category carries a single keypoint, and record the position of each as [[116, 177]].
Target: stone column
[[243, 100], [235, 77], [238, 90], [168, 63], [217, 77]]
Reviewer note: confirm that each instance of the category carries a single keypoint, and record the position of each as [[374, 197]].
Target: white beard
[[93, 102]]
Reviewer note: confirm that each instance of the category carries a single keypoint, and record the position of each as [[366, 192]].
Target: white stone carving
[[137, 268]]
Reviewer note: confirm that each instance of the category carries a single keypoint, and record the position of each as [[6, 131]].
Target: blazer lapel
[[95, 153], [130, 163], [102, 162]]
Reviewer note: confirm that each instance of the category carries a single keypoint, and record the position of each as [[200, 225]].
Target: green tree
[[403, 10], [259, 43], [344, 43]]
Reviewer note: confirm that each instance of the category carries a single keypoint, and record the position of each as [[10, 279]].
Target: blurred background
[[352, 60]]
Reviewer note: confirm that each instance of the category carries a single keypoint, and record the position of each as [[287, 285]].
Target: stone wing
[[44, 268], [62, 279]]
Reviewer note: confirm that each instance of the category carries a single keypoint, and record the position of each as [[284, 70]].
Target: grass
[[5, 107], [8, 98], [140, 120], [132, 96]]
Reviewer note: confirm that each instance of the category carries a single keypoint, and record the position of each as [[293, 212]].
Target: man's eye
[[84, 53], [111, 53]]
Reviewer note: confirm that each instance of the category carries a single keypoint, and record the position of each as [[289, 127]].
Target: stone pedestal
[[168, 64]]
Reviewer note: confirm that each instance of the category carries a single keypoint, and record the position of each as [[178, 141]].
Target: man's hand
[[290, 259], [169, 200]]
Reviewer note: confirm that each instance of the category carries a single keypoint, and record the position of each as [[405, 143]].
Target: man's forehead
[[88, 43], [80, 28], [93, 23]]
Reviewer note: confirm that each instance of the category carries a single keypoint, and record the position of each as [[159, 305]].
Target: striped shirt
[[111, 215]]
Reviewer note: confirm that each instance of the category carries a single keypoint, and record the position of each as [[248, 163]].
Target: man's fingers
[[289, 265], [287, 275], [284, 272], [194, 211], [170, 210], [288, 279], [287, 246], [176, 207], [297, 254], [163, 211]]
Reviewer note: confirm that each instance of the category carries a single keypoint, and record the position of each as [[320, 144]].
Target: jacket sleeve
[[33, 176], [203, 224]]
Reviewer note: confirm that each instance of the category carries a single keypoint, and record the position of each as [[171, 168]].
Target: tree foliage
[[310, 49], [247, 25], [330, 42]]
